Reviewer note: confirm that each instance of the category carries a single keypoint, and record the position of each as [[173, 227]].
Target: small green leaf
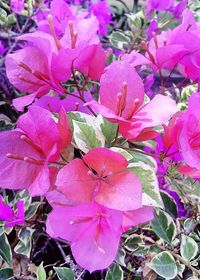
[[115, 273], [87, 136], [25, 240], [5, 250], [41, 273], [32, 209], [6, 274], [109, 129], [164, 265], [132, 242], [119, 40], [169, 204], [137, 157], [164, 226], [181, 268], [64, 273], [189, 248], [148, 179]]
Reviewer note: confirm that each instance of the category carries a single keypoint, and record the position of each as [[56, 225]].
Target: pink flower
[[27, 150], [187, 135], [121, 100], [10, 217], [102, 11], [105, 180], [17, 6], [35, 74], [70, 103], [93, 231], [156, 5]]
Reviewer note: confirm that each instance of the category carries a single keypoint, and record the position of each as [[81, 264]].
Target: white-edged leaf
[[123, 152], [87, 136], [189, 248], [108, 129], [164, 226], [148, 179], [41, 273], [64, 273], [164, 265], [169, 204], [5, 250], [115, 273]]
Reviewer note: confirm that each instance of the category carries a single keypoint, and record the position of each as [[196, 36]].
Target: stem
[[178, 257], [116, 136]]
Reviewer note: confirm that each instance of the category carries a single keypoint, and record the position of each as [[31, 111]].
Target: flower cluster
[[85, 117]]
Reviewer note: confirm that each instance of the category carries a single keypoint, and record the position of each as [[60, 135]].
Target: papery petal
[[41, 184], [40, 127], [91, 61], [121, 192], [111, 84], [89, 235], [75, 183], [17, 174], [137, 217], [108, 161], [64, 129], [21, 102]]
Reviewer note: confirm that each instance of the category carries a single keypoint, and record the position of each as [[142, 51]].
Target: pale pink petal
[[91, 236], [75, 183], [41, 184], [137, 217], [111, 84], [121, 192], [21, 102], [17, 174], [108, 161], [91, 61], [40, 127]]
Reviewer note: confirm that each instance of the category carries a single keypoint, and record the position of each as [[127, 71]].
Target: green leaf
[[189, 248], [115, 273], [164, 265], [5, 250], [6, 274], [181, 268], [123, 152], [132, 242], [87, 136], [164, 226], [25, 240], [41, 273], [148, 179], [32, 209], [119, 40], [169, 204], [109, 129], [137, 157], [64, 273]]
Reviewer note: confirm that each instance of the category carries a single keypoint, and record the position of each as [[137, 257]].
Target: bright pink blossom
[[17, 6], [121, 100], [70, 103], [27, 150], [105, 180], [8, 215], [187, 135], [93, 231]]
